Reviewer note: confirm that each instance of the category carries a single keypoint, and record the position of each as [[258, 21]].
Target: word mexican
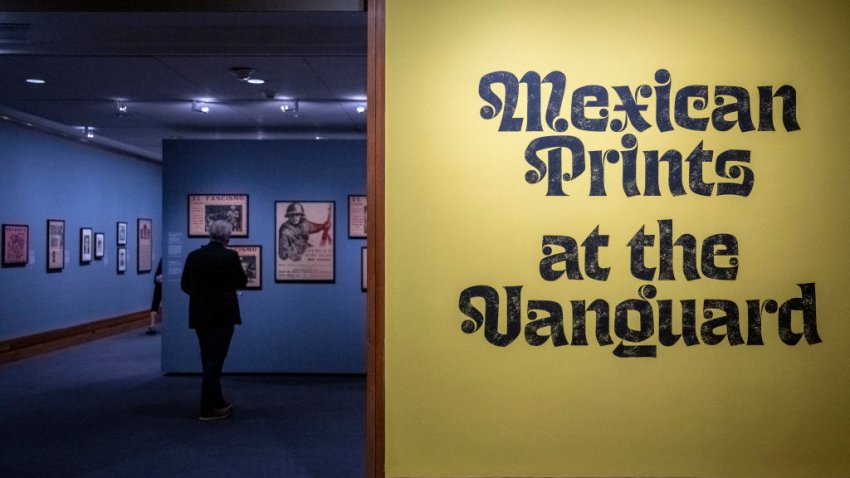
[[722, 320], [596, 99]]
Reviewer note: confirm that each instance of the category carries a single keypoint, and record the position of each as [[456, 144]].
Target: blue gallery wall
[[287, 327], [43, 177]]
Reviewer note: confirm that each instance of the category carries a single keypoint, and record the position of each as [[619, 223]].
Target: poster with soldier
[[204, 209], [251, 259], [304, 241], [15, 245]]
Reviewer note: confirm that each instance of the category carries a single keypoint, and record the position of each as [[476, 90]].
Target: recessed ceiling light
[[35, 81], [256, 81], [361, 109]]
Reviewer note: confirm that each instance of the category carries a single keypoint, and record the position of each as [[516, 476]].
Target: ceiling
[[156, 63]]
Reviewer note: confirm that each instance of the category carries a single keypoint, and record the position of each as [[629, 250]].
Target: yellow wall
[[460, 213]]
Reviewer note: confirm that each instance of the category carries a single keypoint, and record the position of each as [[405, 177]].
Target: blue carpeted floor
[[104, 409]]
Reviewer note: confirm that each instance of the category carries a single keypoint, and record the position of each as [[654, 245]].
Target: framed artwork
[[16, 240], [206, 208], [55, 245], [122, 233], [122, 260], [86, 245], [251, 259], [356, 217], [99, 239], [363, 265], [304, 241], [144, 241]]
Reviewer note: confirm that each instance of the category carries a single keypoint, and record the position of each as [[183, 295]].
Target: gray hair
[[220, 231]]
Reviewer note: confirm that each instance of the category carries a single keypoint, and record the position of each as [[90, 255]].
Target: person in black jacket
[[211, 276]]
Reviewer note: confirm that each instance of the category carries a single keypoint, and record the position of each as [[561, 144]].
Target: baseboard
[[37, 344]]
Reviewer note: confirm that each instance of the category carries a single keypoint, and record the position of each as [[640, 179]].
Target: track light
[[121, 109], [242, 73], [361, 109], [200, 107], [246, 74], [88, 132], [290, 108]]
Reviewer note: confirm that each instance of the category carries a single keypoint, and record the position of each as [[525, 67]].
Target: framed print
[[363, 269], [122, 260], [55, 245], [122, 233], [16, 240], [356, 216], [251, 259], [99, 239], [304, 241], [86, 239], [144, 241], [206, 208]]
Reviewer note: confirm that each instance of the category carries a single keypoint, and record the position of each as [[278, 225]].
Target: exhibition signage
[[558, 159], [615, 238]]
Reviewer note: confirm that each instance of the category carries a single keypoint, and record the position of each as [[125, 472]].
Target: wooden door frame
[[375, 234]]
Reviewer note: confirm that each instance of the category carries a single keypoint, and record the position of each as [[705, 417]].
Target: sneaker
[[214, 414], [225, 405]]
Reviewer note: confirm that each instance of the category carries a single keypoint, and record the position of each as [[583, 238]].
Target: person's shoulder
[[219, 249], [199, 251]]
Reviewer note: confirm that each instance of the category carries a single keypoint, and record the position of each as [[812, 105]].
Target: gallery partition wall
[[303, 311], [608, 239]]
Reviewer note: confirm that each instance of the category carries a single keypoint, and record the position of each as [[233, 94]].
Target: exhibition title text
[[593, 109], [563, 162]]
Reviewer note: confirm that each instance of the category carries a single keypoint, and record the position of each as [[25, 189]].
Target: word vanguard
[[721, 319]]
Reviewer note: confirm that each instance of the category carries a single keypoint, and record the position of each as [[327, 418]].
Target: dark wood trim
[[375, 234], [32, 345], [192, 6]]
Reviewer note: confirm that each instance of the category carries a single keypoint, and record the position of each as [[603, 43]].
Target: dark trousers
[[214, 342]]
